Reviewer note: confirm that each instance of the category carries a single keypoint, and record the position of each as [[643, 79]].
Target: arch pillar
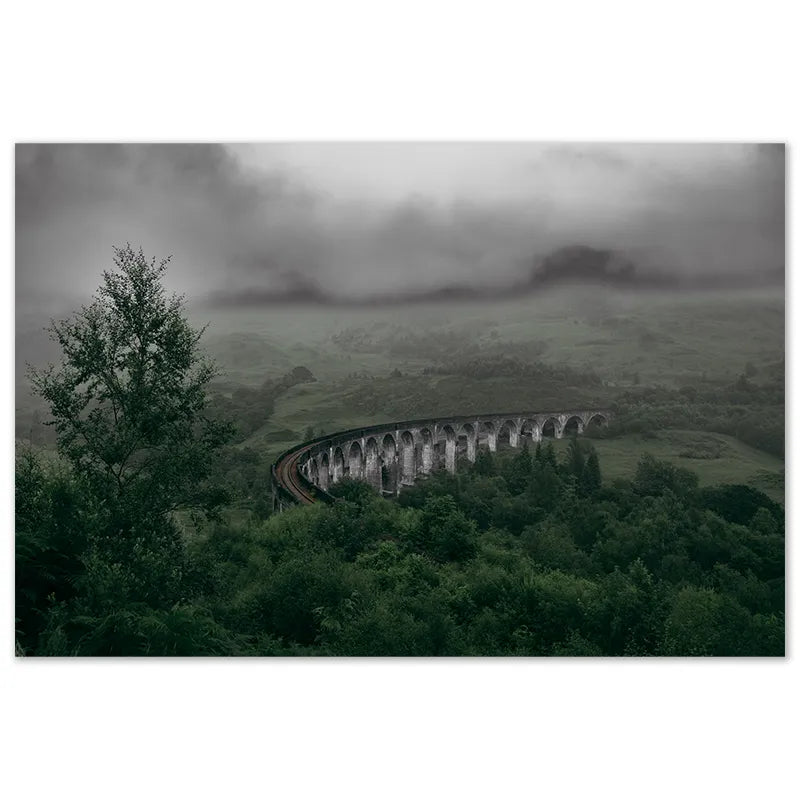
[[472, 443], [448, 431], [373, 465], [407, 457], [338, 461], [450, 455], [313, 471], [324, 471], [426, 451]]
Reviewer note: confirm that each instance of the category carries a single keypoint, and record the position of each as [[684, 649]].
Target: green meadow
[[715, 458]]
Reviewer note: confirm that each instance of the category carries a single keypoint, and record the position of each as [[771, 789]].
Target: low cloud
[[354, 222]]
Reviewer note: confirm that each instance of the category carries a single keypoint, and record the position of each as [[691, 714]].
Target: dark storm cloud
[[74, 202], [360, 221]]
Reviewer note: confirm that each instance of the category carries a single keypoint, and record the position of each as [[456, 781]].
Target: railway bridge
[[395, 454]]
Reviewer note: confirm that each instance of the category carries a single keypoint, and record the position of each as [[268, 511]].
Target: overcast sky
[[360, 219]]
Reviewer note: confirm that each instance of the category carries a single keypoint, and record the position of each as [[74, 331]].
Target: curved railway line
[[289, 477]]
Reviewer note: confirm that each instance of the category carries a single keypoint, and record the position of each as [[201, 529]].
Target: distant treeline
[[398, 342], [512, 367], [249, 408], [752, 412]]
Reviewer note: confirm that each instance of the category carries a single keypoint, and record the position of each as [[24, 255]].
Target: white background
[[405, 728]]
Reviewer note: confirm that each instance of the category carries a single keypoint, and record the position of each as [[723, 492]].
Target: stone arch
[[508, 435], [355, 461], [466, 441], [573, 426], [550, 428], [448, 431], [313, 471], [426, 450], [338, 464], [324, 471], [389, 447], [487, 434], [596, 421], [407, 466], [372, 468], [389, 464], [530, 431]]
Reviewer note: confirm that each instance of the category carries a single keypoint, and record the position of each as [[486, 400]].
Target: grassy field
[[714, 457]]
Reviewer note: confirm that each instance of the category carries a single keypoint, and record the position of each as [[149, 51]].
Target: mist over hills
[[577, 265]]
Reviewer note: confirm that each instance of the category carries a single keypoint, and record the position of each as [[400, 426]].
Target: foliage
[[128, 400], [96, 531], [752, 412], [251, 407], [53, 521], [658, 477], [462, 565]]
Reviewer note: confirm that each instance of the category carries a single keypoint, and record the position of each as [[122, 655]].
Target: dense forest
[[515, 555], [122, 549]]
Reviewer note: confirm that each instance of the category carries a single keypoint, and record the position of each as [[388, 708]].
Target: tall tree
[[484, 463], [575, 458], [517, 470], [128, 400], [591, 479]]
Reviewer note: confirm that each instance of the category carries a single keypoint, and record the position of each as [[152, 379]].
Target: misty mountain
[[572, 265], [585, 265]]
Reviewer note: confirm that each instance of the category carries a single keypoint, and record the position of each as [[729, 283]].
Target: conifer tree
[[591, 479]]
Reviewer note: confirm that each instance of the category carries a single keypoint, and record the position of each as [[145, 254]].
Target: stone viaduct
[[393, 455]]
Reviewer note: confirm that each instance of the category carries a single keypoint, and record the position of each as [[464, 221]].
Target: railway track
[[289, 477]]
